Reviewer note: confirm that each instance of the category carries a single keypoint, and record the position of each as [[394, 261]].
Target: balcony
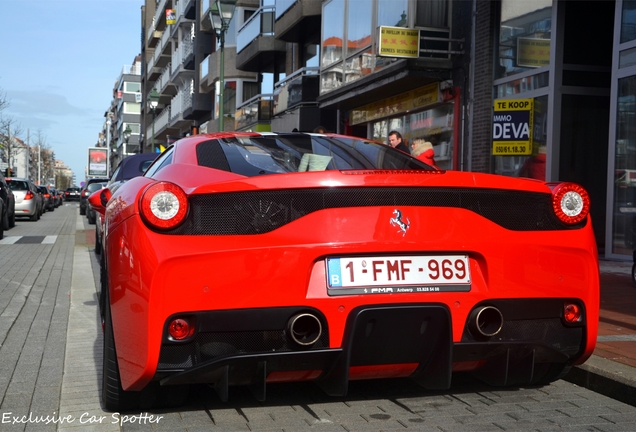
[[164, 85], [296, 19], [300, 88], [179, 72], [255, 41], [254, 112], [180, 103]]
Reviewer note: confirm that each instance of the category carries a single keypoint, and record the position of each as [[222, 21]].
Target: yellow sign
[[171, 16], [512, 127], [399, 42], [533, 52], [400, 103]]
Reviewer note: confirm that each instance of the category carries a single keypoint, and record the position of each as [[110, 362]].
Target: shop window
[[524, 36]]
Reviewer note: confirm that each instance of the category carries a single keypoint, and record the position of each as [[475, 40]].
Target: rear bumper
[[378, 340]]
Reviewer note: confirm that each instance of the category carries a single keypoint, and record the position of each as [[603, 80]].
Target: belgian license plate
[[398, 274]]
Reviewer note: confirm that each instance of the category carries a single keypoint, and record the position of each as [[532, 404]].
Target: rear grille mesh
[[258, 212], [210, 345]]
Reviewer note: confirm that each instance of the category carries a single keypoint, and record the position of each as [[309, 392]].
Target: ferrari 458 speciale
[[260, 258]]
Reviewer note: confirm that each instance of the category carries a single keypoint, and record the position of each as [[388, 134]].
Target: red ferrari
[[252, 259]]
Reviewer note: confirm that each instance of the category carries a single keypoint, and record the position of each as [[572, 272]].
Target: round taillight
[[164, 205], [180, 329], [571, 312], [571, 203]]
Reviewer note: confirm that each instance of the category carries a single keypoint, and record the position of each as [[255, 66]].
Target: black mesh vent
[[550, 331], [212, 155], [208, 346], [241, 213]]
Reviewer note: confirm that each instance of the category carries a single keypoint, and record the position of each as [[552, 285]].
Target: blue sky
[[59, 63]]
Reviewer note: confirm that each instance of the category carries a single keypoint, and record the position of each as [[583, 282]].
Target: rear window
[[94, 186], [251, 156], [18, 185]]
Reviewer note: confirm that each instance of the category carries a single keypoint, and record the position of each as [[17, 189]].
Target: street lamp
[[127, 133], [221, 13], [153, 101]]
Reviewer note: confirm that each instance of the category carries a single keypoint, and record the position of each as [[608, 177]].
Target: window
[[431, 13], [359, 21], [132, 108], [628, 21], [132, 87], [524, 36], [332, 31], [392, 13]]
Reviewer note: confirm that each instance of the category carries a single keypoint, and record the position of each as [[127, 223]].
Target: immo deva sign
[[512, 126]]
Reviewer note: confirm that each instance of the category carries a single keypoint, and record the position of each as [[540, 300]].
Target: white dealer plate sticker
[[398, 274]]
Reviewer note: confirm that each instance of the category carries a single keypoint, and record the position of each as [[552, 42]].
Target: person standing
[[395, 141], [423, 150]]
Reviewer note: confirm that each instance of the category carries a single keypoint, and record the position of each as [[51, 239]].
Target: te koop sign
[[512, 126]]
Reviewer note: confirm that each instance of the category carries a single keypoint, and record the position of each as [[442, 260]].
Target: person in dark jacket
[[395, 141]]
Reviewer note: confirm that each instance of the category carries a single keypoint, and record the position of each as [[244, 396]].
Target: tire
[[113, 396], [98, 244], [82, 211], [12, 220], [90, 219], [5, 221]]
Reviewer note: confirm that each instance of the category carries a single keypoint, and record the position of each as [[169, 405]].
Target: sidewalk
[[612, 368]]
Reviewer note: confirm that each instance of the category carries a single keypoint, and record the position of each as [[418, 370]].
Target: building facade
[[459, 73]]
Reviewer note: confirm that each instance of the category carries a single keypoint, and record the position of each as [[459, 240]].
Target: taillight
[[47, 196], [164, 205], [571, 203], [29, 195]]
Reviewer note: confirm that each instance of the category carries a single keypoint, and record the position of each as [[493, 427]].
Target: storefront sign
[[512, 126], [399, 42], [533, 52], [401, 103]]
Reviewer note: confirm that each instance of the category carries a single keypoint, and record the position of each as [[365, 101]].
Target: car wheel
[[82, 210], [12, 220], [91, 219], [98, 244], [114, 397], [5, 221]]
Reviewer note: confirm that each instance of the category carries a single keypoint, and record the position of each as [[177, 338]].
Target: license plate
[[398, 274]]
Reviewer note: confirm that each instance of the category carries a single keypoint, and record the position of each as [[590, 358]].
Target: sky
[[59, 63]]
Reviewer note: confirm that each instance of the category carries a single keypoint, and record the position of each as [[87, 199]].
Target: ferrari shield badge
[[397, 220]]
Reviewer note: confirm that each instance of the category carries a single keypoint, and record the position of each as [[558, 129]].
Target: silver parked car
[[28, 201]]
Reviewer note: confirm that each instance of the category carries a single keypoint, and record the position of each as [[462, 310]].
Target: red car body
[[249, 288]]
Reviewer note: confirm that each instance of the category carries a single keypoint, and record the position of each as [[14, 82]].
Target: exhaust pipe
[[485, 321], [304, 329]]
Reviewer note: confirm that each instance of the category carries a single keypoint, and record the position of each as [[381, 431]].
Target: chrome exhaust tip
[[304, 329], [485, 321]]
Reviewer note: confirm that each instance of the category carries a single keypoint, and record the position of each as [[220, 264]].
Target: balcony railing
[[255, 110], [185, 48], [161, 121], [301, 87], [164, 78], [132, 69], [282, 6], [259, 24]]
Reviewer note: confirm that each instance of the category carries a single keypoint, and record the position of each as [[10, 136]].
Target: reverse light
[[571, 203], [571, 313], [164, 205], [180, 329]]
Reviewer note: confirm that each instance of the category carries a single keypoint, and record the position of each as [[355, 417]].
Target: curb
[[606, 377]]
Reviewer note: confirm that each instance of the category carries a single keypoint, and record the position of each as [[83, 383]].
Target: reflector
[[571, 312]]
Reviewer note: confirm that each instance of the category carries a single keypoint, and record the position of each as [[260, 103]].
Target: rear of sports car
[[340, 275]]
